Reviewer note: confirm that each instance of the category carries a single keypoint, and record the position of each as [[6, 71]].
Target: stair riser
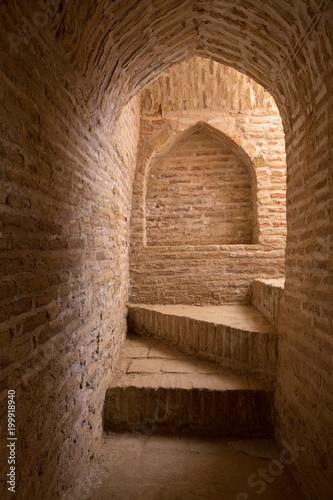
[[208, 341], [203, 412]]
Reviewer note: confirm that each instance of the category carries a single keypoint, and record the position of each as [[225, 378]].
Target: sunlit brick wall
[[208, 212]]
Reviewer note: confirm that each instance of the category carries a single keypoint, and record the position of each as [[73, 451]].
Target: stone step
[[155, 388], [227, 335]]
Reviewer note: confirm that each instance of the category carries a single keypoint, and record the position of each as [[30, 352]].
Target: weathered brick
[[176, 213], [10, 221], [7, 289], [15, 308], [49, 227], [17, 265], [20, 306], [33, 322], [39, 283], [46, 298], [104, 255], [16, 201], [52, 329], [5, 338]]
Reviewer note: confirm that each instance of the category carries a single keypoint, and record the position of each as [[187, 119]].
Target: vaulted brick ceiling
[[121, 45]]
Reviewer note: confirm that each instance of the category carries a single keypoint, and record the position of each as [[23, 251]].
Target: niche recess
[[200, 191], [208, 204]]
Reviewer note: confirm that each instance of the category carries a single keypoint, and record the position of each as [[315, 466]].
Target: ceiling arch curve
[[121, 46]]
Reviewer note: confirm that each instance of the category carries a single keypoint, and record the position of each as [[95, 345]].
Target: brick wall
[[199, 193], [304, 396], [65, 206], [267, 297], [195, 240], [287, 48]]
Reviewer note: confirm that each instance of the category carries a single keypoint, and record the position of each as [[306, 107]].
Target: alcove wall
[[198, 193], [208, 210]]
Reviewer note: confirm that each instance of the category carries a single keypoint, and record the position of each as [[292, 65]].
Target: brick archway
[[69, 71], [161, 133]]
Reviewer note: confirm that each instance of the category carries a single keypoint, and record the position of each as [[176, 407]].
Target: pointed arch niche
[[208, 206], [200, 190]]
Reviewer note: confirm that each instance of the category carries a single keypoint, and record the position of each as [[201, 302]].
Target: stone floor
[[133, 466], [148, 362]]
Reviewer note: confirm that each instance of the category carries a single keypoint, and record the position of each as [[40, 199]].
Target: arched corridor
[[71, 73]]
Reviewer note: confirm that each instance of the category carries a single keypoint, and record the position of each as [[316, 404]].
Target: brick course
[[198, 194]]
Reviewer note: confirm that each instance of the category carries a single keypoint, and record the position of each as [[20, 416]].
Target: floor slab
[[135, 466], [149, 359]]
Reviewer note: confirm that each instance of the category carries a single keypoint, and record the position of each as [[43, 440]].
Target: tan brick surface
[[67, 71], [209, 190]]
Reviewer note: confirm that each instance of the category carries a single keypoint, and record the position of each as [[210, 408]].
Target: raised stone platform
[[155, 388], [231, 336]]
